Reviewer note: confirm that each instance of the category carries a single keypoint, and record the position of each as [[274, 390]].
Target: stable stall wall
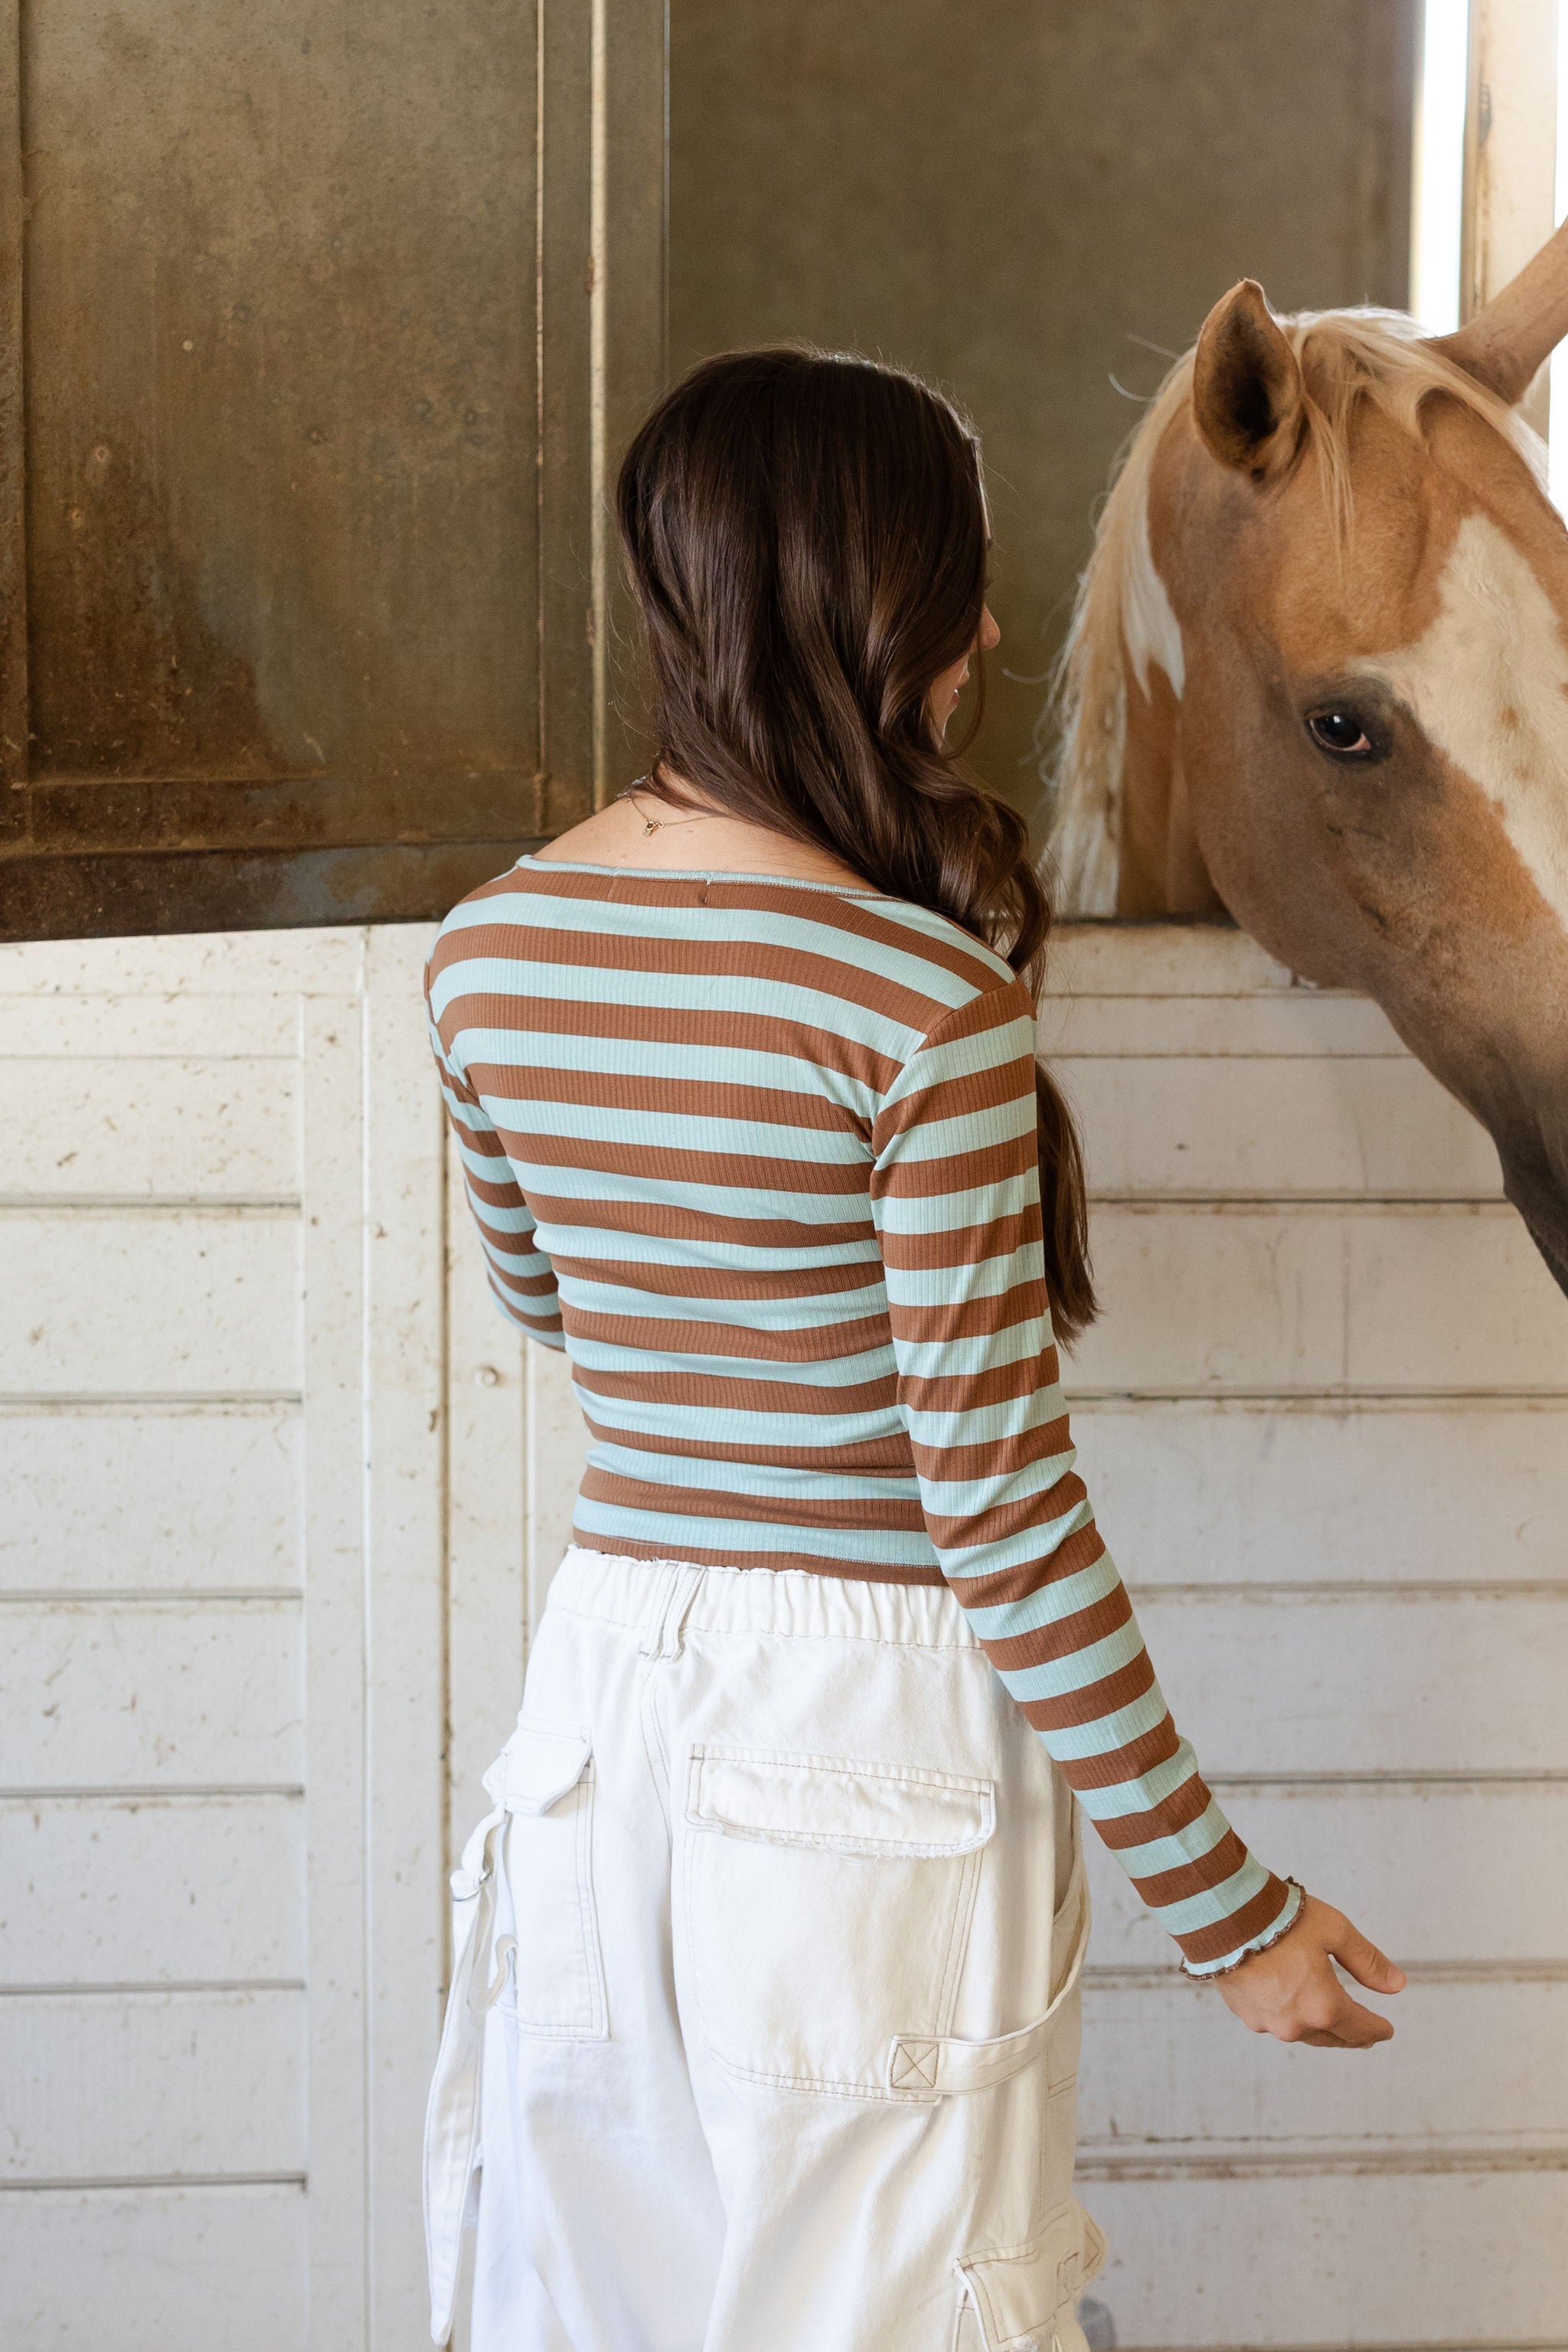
[[284, 1493]]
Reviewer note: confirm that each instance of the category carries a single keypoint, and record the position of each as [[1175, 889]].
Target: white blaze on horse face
[[1488, 683], [1148, 623]]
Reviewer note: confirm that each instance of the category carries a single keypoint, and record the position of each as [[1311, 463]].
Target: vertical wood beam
[[1510, 154], [14, 811]]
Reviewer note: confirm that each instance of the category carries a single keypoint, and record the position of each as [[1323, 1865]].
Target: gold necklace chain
[[662, 824]]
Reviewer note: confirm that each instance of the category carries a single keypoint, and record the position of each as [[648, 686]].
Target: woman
[[764, 2030]]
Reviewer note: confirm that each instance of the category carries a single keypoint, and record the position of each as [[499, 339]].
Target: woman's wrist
[[1291, 1917]]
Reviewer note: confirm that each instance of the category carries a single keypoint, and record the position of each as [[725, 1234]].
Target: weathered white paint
[[1487, 680], [206, 1494], [1330, 1490], [154, 2268], [156, 2084], [74, 1880], [1325, 1425], [223, 1415]]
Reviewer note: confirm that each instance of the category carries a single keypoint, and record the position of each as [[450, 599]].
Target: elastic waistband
[[657, 1599]]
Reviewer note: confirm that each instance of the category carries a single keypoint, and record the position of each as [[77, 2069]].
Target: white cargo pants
[[763, 2027]]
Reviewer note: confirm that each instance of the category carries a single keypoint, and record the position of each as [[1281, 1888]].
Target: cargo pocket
[[1021, 2299], [544, 1780], [827, 1905]]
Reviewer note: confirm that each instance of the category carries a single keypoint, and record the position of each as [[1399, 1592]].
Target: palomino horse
[[1318, 678]]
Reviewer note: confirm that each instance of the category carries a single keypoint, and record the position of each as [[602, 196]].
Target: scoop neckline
[[695, 874]]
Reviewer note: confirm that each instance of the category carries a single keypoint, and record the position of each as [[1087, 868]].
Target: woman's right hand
[[1291, 1990]]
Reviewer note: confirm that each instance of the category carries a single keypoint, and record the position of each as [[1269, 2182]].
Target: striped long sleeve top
[[761, 1155]]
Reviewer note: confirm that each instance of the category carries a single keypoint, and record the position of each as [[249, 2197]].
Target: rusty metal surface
[[291, 459]]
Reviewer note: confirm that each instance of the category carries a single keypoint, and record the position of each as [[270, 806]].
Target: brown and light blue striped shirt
[[761, 1155]]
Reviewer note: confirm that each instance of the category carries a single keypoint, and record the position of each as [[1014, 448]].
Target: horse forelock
[[1122, 617]]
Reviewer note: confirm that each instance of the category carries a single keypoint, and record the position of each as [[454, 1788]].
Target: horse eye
[[1339, 731]]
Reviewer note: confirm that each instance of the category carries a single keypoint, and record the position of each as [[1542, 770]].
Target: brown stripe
[[649, 1163], [788, 1280], [962, 1391], [686, 956], [692, 1026], [716, 1502], [872, 1457], [1015, 1653], [714, 1100], [992, 1162], [1095, 1701], [861, 918], [817, 1343], [671, 1221], [702, 1556], [707, 1392], [982, 1317], [1254, 1918], [1129, 1762], [1212, 1869], [1077, 1551], [962, 1244], [1184, 1805], [996, 1457], [957, 1097]]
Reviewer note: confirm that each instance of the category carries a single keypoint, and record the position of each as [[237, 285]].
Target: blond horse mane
[[1122, 617]]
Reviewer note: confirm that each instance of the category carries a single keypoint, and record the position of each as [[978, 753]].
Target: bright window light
[[1441, 165]]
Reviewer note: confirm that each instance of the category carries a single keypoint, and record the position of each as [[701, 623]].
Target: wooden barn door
[[319, 328]]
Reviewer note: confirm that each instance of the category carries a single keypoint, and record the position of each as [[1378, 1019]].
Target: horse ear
[[1503, 345], [1246, 385]]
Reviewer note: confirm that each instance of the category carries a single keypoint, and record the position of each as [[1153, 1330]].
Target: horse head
[[1318, 678]]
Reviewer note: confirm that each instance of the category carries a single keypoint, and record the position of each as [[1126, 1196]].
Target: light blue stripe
[[1055, 1677], [720, 1477], [715, 1136], [1075, 1743], [834, 1372], [1207, 1909], [948, 1212], [1141, 1794], [826, 1314], [885, 1545], [794, 932], [1016, 1550], [669, 991], [1184, 1846], [1047, 1604], [1294, 1898]]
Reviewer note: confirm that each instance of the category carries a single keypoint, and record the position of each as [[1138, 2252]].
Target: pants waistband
[[659, 1599]]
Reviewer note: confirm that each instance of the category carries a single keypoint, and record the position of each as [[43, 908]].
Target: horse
[[1317, 679]]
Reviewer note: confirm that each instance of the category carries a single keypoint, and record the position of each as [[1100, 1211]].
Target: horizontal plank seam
[[174, 1988], [153, 2180], [142, 1791]]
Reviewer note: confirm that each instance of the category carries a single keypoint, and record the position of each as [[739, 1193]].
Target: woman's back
[[755, 1127]]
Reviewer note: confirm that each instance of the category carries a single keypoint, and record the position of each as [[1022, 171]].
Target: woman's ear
[[1246, 385]]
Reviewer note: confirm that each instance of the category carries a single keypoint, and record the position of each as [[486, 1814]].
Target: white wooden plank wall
[[1325, 1420], [221, 1589]]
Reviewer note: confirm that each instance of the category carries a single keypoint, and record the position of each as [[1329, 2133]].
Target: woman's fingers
[[1363, 1961], [1290, 1988]]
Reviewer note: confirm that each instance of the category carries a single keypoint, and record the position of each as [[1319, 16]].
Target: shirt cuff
[[1295, 1902]]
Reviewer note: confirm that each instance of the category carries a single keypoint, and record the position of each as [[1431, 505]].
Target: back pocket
[[827, 1905], [545, 1777]]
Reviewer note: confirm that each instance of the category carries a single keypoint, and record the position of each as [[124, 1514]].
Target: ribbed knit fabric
[[762, 1155]]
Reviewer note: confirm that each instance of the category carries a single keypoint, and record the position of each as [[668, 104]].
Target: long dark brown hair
[[807, 537]]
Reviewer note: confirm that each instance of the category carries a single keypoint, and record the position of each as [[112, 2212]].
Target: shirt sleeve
[[521, 1277], [956, 1197]]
